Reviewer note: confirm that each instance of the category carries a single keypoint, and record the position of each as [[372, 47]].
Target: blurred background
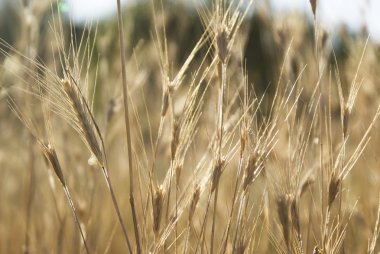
[[266, 26], [354, 14]]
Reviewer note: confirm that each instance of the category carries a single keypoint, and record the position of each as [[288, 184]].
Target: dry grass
[[194, 157]]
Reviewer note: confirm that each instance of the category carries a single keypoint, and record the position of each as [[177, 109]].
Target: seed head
[[316, 250], [194, 201], [165, 102], [333, 188], [283, 214], [175, 138], [222, 44], [250, 170], [51, 156], [243, 139], [84, 120], [157, 208], [216, 173]]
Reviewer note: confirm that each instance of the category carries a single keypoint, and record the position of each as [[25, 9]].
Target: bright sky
[[332, 13], [90, 10]]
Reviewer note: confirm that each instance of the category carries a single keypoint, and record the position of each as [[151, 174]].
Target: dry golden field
[[169, 130]]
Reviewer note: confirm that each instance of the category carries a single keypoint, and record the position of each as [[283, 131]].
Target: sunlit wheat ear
[[334, 184], [243, 140], [224, 24], [216, 173], [84, 123], [283, 209], [157, 207], [252, 167], [178, 171], [317, 250], [51, 159], [51, 156], [194, 202], [222, 44], [165, 102], [84, 120], [175, 138], [346, 113], [295, 217]]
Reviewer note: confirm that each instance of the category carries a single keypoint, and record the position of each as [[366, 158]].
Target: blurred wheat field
[[171, 131]]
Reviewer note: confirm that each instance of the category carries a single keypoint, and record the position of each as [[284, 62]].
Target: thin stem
[[168, 203], [220, 109], [238, 220], [109, 185], [223, 67], [127, 123], [176, 210], [70, 200], [187, 236], [224, 246], [30, 196], [204, 222], [213, 219], [31, 180]]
